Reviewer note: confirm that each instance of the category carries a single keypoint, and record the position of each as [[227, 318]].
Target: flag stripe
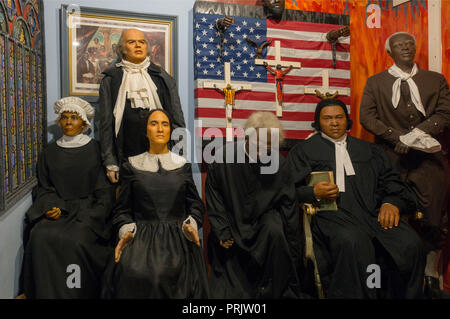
[[205, 112], [302, 26], [309, 45], [288, 134], [287, 125], [262, 96]]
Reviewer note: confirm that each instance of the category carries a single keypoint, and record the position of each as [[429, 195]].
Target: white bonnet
[[75, 104]]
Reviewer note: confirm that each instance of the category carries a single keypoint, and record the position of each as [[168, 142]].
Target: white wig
[[388, 46], [266, 120]]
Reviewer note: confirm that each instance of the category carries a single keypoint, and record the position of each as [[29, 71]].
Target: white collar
[[149, 162], [73, 141], [344, 164], [138, 87]]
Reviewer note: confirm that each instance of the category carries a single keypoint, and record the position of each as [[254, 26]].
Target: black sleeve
[[46, 197], [176, 112], [216, 208], [194, 204], [390, 187], [99, 213], [299, 165], [106, 124], [287, 206], [123, 211]]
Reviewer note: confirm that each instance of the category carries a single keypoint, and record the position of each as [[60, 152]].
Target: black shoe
[[431, 288]]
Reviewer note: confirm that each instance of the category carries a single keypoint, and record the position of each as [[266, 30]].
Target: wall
[[11, 221]]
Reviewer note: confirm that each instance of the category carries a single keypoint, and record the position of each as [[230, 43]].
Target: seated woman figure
[[157, 214], [67, 248]]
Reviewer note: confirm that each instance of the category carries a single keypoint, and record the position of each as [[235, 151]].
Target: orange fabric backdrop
[[368, 55]]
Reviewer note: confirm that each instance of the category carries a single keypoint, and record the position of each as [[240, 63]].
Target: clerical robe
[[349, 240], [261, 214]]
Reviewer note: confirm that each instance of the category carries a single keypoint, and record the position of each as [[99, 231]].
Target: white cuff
[[419, 140], [127, 228], [189, 221], [114, 168]]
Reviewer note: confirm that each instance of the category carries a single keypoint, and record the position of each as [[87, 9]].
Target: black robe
[[261, 213], [73, 180], [131, 139], [159, 262], [347, 241]]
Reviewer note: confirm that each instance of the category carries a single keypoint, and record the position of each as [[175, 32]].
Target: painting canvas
[[92, 40]]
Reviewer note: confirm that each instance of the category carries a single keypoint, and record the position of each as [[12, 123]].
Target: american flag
[[303, 42]]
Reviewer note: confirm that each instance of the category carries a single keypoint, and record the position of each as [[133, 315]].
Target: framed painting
[[89, 39]]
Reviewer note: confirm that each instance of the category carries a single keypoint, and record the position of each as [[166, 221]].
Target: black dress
[[73, 180], [159, 262]]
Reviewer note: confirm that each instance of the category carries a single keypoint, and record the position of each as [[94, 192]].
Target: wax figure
[[274, 9], [69, 218], [157, 217], [408, 109], [370, 197], [254, 244], [128, 92], [279, 74]]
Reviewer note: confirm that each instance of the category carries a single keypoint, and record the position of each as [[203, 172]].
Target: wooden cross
[[325, 86], [399, 2], [229, 100], [274, 63]]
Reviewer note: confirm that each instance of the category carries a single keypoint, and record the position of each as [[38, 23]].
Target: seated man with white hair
[[408, 111], [254, 245]]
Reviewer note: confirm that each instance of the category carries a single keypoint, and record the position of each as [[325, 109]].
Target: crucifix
[[279, 64], [325, 89], [229, 90]]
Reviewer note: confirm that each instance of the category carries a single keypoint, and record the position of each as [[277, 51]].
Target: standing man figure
[[129, 90], [408, 109]]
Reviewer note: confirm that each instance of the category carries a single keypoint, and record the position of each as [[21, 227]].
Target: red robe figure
[[279, 75]]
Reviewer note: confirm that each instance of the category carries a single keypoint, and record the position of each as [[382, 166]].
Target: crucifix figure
[[325, 89], [278, 63], [279, 74], [229, 91]]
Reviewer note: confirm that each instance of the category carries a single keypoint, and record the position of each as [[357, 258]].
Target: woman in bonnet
[[67, 249]]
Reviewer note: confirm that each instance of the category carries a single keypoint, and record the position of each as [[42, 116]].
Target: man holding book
[[370, 198]]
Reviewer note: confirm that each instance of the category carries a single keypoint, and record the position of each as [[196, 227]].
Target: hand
[[325, 190], [113, 176], [227, 243], [401, 148], [224, 23], [389, 216], [121, 246], [54, 213], [191, 234], [344, 31]]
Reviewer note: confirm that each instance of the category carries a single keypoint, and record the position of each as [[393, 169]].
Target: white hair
[[388, 46], [266, 120]]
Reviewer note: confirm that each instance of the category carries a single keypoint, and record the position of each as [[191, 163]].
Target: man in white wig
[[69, 219], [129, 90], [408, 111]]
